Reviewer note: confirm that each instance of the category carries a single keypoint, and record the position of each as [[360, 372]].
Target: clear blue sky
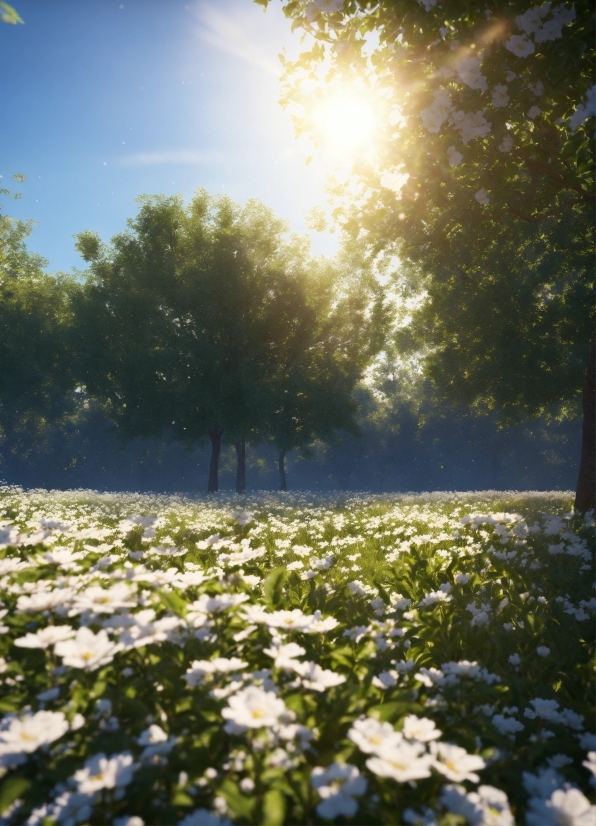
[[104, 100]]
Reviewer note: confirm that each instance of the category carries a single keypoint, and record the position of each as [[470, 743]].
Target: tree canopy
[[504, 328], [209, 320], [35, 313], [484, 118], [483, 109]]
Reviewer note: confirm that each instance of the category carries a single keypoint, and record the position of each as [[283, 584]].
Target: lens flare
[[345, 122]]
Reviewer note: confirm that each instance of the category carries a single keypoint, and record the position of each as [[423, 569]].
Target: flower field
[[274, 659]]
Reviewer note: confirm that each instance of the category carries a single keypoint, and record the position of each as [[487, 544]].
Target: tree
[[317, 370], [34, 319], [512, 312], [184, 320], [484, 116]]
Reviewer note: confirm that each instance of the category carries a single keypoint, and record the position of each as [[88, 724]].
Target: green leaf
[[11, 703], [12, 789], [182, 799], [273, 585], [274, 808], [173, 602], [8, 14], [241, 805]]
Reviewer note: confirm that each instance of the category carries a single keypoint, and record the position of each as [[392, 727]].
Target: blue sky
[[107, 100]]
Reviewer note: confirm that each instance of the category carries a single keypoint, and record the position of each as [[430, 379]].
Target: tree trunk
[[241, 466], [586, 483], [282, 470], [215, 436]]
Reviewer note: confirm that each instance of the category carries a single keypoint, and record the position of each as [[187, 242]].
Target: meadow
[[296, 658]]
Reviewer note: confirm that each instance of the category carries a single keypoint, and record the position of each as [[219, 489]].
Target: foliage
[[210, 317], [482, 108], [8, 14], [504, 327], [35, 312], [485, 115], [185, 662]]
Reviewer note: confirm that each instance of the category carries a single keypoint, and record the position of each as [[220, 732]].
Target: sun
[[345, 123]]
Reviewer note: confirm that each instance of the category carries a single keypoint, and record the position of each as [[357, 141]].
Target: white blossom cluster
[[204, 615]]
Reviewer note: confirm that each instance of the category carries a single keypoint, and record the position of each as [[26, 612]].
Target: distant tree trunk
[[241, 466], [282, 470], [586, 483], [215, 435]]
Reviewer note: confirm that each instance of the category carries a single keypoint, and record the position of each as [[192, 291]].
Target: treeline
[[400, 448], [209, 328], [205, 322]]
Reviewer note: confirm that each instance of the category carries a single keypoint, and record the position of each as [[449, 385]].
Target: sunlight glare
[[345, 122]]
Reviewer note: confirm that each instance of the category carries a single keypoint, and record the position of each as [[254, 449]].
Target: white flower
[[430, 676], [533, 112], [87, 650], [63, 557], [469, 71], [285, 655], [154, 734], [295, 566], [317, 678], [220, 602], [45, 600], [569, 807], [506, 725], [506, 144], [433, 597], [156, 741], [428, 4], [220, 665], [486, 807], [543, 651], [483, 199], [254, 708], [590, 765], [24, 733], [420, 728], [587, 740], [370, 735], [129, 820], [514, 659], [455, 763], [386, 679], [243, 517], [471, 125], [401, 761], [101, 772], [289, 620], [462, 579], [553, 29], [320, 624], [584, 111], [203, 817], [45, 636], [455, 157], [500, 96], [337, 785], [103, 600], [437, 113], [520, 46], [531, 20]]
